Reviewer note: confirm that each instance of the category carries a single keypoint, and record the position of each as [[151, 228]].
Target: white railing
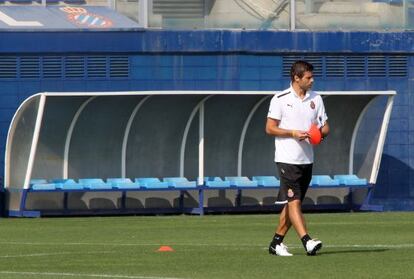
[[262, 14], [283, 14]]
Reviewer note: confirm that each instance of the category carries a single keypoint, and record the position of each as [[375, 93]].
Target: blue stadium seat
[[67, 184], [267, 181], [38, 181], [392, 2], [43, 186], [21, 1], [70, 2], [215, 181], [350, 179], [180, 182], [240, 181], [79, 2], [122, 183], [323, 180], [94, 184], [151, 183]]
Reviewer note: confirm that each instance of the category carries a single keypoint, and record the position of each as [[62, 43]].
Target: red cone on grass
[[165, 249]]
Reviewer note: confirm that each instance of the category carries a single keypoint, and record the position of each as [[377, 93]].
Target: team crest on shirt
[[312, 105], [290, 193]]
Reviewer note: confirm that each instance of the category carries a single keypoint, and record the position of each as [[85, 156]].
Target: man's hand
[[299, 135]]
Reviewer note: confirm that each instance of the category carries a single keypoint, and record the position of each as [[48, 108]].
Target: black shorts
[[294, 182]]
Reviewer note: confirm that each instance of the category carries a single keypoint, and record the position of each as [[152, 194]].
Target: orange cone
[[165, 249]]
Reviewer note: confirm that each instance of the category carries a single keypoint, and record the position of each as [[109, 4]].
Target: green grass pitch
[[356, 245]]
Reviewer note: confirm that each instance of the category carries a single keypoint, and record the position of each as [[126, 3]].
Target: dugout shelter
[[70, 153]]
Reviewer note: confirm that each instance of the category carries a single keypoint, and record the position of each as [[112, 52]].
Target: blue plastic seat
[[51, 1], [323, 180], [350, 179], [79, 2], [122, 183], [151, 183], [215, 181], [21, 1], [393, 2], [267, 181], [180, 182], [43, 186], [38, 181], [240, 181], [67, 184], [94, 184]]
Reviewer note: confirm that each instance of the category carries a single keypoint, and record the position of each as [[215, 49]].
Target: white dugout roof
[[181, 133]]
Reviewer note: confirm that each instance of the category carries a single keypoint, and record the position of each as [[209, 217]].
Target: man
[[291, 113]]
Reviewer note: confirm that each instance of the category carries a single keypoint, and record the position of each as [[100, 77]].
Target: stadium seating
[[52, 2], [67, 184], [323, 180], [122, 183], [183, 185], [38, 181], [180, 182], [152, 183], [216, 182], [267, 181], [240, 181], [75, 2], [20, 1], [350, 180], [94, 184], [43, 186], [393, 2]]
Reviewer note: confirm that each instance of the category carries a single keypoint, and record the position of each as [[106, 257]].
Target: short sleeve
[[275, 111], [322, 117]]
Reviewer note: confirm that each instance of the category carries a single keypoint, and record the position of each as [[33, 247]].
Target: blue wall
[[220, 60]]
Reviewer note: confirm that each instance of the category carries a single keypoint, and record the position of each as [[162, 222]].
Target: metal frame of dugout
[[192, 134]]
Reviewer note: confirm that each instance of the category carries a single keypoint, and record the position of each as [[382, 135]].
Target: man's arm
[[273, 129], [325, 130]]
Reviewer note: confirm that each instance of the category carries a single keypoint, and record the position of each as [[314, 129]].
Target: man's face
[[305, 83]]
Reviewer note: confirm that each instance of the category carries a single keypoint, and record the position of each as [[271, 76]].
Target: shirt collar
[[307, 94]]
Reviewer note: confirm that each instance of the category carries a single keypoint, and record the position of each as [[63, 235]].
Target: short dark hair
[[299, 68]]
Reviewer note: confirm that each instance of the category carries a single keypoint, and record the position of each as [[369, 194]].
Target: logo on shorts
[[312, 105], [290, 193], [282, 170]]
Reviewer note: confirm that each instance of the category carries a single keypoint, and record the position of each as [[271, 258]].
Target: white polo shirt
[[295, 113]]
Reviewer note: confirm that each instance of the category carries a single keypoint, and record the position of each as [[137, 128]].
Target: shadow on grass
[[353, 251]]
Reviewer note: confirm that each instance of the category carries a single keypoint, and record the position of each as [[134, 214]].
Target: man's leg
[[296, 217], [298, 221], [277, 247], [284, 221]]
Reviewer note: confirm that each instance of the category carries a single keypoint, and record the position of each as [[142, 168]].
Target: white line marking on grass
[[361, 223], [53, 254], [372, 246], [395, 246], [391, 246], [110, 244], [84, 275]]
